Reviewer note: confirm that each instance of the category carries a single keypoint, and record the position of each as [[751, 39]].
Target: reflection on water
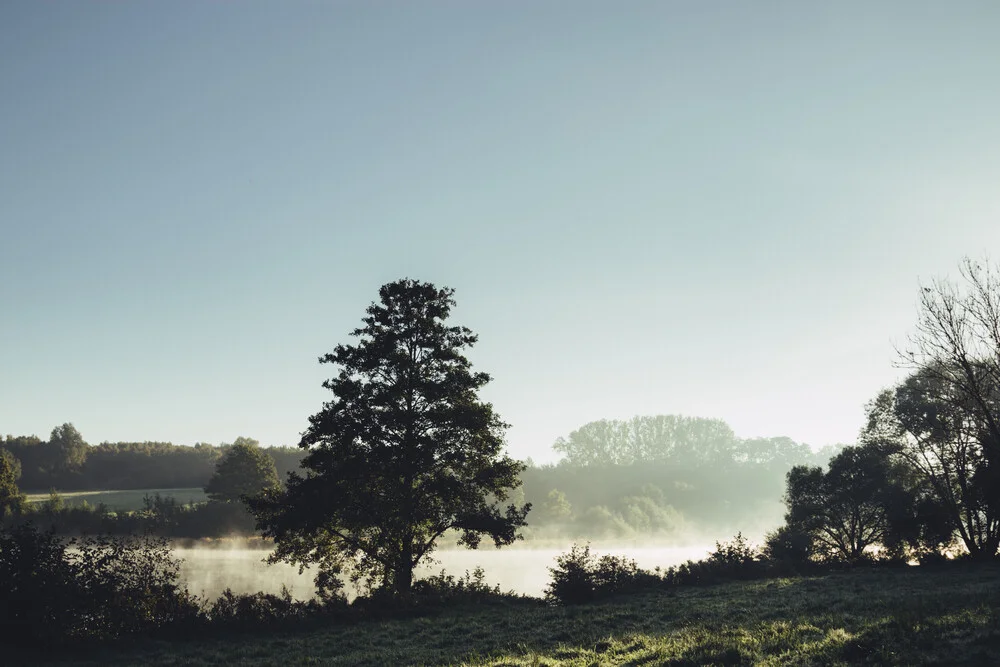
[[209, 571]]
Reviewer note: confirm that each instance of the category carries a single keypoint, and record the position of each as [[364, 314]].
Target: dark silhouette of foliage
[[790, 546], [957, 344], [404, 452], [124, 465], [244, 470], [927, 425], [12, 501], [580, 576], [256, 611], [846, 510], [96, 588]]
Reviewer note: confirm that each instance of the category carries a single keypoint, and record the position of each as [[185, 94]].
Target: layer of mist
[[208, 569]]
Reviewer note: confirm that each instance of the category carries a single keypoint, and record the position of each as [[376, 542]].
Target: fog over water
[[208, 571]]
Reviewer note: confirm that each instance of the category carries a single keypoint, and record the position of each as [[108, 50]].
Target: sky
[[708, 208]]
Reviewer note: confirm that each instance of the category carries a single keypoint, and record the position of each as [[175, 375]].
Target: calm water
[[208, 571]]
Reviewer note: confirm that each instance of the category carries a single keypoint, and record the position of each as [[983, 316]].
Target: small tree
[[404, 452], [843, 510], [11, 498], [244, 470]]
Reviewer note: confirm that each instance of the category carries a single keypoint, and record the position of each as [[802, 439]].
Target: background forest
[[617, 479]]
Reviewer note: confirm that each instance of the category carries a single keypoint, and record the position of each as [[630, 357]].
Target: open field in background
[[130, 499], [910, 616]]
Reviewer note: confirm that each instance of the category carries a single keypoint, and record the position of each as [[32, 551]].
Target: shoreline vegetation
[[381, 488], [891, 616]]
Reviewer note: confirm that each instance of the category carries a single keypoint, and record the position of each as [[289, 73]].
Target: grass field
[[886, 617], [130, 499]]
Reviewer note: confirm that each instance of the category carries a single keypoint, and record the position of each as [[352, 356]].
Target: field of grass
[[125, 500], [886, 617]]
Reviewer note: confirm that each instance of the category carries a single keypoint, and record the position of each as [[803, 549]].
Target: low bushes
[[580, 576], [90, 589]]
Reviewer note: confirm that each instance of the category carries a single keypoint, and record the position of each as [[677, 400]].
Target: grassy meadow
[[907, 616], [124, 500]]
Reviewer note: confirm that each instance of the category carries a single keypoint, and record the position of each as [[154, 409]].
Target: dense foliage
[[123, 465], [95, 588], [243, 470], [403, 453]]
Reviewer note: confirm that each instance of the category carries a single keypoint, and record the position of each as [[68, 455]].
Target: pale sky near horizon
[[716, 209]]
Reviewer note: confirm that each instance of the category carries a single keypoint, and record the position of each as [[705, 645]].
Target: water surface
[[208, 571]]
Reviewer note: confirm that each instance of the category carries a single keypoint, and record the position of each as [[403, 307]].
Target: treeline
[[686, 442], [666, 476], [663, 475], [66, 462]]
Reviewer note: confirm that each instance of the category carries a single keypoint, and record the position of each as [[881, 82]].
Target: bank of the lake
[[208, 568], [907, 616]]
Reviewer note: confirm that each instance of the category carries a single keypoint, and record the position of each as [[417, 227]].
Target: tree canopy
[[244, 470], [404, 452], [11, 498]]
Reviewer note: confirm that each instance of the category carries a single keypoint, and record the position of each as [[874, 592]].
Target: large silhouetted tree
[[405, 451], [928, 424], [957, 344]]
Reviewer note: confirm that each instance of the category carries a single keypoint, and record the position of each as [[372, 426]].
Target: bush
[[35, 582], [128, 586], [98, 588], [789, 546], [734, 560], [737, 559], [253, 610], [445, 587]]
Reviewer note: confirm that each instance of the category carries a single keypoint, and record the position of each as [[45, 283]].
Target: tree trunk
[[404, 570]]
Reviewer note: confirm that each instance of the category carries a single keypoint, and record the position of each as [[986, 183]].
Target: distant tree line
[[66, 462], [663, 475], [685, 442], [666, 487]]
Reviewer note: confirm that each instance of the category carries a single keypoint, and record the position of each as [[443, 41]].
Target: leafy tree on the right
[[943, 421]]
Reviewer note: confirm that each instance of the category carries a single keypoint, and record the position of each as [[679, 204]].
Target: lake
[[207, 571]]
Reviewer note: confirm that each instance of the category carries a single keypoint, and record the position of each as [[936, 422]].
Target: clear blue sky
[[717, 209]]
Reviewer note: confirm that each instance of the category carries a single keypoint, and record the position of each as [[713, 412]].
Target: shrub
[[251, 610], [35, 579], [572, 577], [789, 546], [445, 587], [98, 588], [737, 558], [128, 586], [734, 560], [580, 577]]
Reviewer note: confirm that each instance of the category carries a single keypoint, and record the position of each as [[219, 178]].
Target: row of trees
[[926, 475], [65, 461], [684, 442]]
